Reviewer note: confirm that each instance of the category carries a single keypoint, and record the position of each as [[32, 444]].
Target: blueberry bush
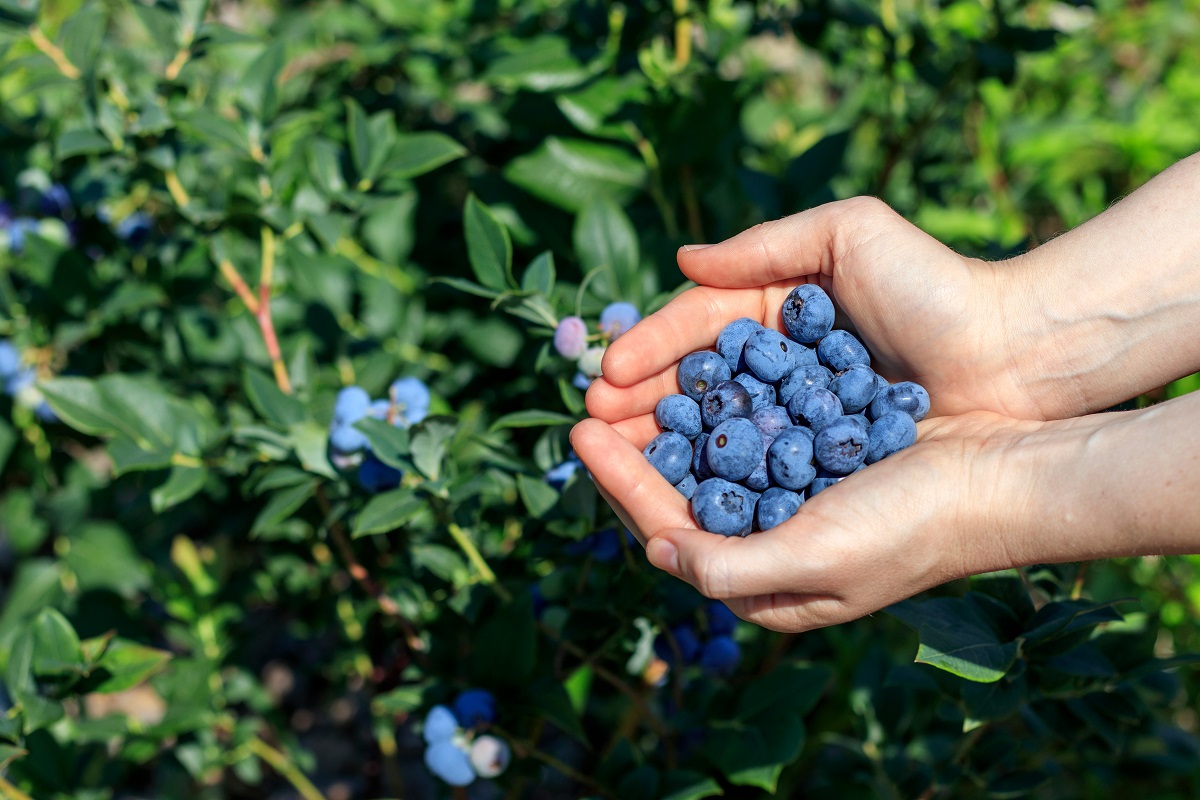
[[299, 301]]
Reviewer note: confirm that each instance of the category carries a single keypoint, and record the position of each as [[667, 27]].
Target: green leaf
[[469, 287], [102, 556], [389, 443], [429, 442], [56, 648], [755, 754], [359, 135], [270, 401], [81, 142], [539, 497], [488, 246], [258, 85], [182, 484], [569, 173], [324, 165], [388, 228], [1016, 784], [504, 648], [127, 664], [282, 505], [605, 239], [539, 275], [532, 418], [1065, 617], [542, 64], [957, 637], [216, 130], [687, 785], [84, 406], [8, 441], [310, 442], [387, 511], [37, 584], [417, 153], [9, 754], [794, 688]]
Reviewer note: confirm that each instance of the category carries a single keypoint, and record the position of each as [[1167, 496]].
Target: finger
[[688, 323], [724, 567], [806, 244], [638, 430], [792, 613], [612, 404], [647, 501]]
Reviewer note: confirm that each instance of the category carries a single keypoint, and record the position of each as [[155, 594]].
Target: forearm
[[1110, 309], [1120, 484]]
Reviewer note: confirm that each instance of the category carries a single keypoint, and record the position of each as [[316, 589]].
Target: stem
[[177, 63], [646, 149], [280, 763], [1080, 575], [485, 572], [50, 49], [523, 748], [265, 323], [178, 193], [239, 285], [10, 792]]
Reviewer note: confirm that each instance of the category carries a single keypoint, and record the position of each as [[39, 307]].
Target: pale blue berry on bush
[[558, 476], [440, 724], [450, 762], [570, 337], [10, 359], [589, 362], [346, 440], [490, 756], [617, 318], [410, 401], [375, 476], [686, 641], [581, 382]]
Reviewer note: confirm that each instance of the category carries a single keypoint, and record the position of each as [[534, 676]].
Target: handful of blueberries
[[767, 421]]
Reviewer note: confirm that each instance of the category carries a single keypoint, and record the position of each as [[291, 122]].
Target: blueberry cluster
[[45, 209], [407, 404], [455, 750], [768, 420], [571, 339], [718, 654], [18, 380]]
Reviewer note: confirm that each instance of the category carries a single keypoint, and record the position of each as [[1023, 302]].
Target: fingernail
[[691, 247], [663, 555]]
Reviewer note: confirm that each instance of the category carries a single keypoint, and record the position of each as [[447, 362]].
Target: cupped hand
[[926, 313], [919, 518]]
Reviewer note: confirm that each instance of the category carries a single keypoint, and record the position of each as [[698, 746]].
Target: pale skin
[[1014, 466]]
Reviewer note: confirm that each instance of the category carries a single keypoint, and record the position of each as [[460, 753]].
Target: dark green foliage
[[198, 603]]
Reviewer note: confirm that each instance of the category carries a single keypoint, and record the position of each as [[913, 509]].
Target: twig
[[265, 323], [177, 63], [178, 193], [50, 49], [239, 285], [1080, 575], [11, 792], [280, 763], [481, 566]]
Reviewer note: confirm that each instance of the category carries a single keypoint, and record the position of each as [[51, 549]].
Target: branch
[[265, 323], [50, 49], [239, 285], [280, 763]]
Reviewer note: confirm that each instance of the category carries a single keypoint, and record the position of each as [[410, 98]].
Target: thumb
[[808, 243]]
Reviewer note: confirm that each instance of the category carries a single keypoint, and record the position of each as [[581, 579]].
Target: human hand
[[926, 313]]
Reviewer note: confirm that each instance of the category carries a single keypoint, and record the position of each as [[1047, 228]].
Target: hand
[[919, 518], [926, 313]]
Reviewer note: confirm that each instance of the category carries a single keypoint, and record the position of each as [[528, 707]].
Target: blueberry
[[45, 413], [734, 449], [671, 454], [450, 763], [375, 476], [616, 318], [570, 337], [679, 413], [761, 394], [18, 229], [906, 396], [814, 407], [789, 459], [720, 506], [410, 399], [770, 355], [6, 215], [591, 360], [881, 383], [801, 377], [351, 405], [490, 756], [685, 640], [605, 545], [581, 382], [760, 479], [687, 486], [700, 370], [840, 349], [725, 400], [771, 420], [721, 656], [134, 229], [559, 475], [10, 359], [889, 434], [777, 506], [807, 313], [346, 439], [475, 707], [56, 201], [20, 380], [700, 466], [825, 479], [841, 447], [732, 339], [721, 621], [440, 724], [855, 386]]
